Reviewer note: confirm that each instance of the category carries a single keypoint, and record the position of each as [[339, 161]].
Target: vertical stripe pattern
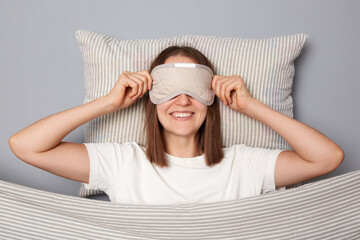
[[326, 209], [266, 66]]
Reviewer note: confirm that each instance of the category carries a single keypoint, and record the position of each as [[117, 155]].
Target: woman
[[184, 161]]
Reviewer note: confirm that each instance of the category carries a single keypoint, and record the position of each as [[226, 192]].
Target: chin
[[183, 132]]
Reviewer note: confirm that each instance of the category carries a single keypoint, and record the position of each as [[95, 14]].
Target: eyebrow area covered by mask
[[173, 79]]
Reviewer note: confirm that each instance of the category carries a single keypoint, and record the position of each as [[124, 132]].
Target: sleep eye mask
[[173, 79]]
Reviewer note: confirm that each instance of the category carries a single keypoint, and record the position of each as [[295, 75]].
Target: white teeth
[[181, 114]]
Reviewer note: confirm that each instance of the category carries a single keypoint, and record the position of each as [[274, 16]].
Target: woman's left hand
[[231, 90]]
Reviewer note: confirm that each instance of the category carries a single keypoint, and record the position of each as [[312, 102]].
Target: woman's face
[[181, 115]]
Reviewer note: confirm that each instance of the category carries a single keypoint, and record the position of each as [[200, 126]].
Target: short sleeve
[[103, 165], [262, 162]]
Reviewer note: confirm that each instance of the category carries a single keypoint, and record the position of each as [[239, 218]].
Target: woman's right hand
[[129, 87]]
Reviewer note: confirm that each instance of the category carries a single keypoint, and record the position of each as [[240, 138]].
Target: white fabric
[[125, 174]]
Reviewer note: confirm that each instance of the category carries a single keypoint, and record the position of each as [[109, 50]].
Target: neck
[[183, 146]]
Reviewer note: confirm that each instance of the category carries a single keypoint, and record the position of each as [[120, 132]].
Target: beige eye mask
[[173, 79]]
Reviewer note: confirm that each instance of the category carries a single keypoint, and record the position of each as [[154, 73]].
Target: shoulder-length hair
[[210, 131]]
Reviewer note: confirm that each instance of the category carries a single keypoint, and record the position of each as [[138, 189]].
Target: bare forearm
[[48, 132], [309, 143]]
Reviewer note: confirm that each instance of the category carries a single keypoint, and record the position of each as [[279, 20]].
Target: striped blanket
[[326, 209]]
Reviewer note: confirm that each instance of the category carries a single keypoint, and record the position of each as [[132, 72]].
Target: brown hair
[[209, 132]]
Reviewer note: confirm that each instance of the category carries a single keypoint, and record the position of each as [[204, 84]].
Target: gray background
[[41, 69]]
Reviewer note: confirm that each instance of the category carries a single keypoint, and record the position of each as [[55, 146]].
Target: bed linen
[[325, 209]]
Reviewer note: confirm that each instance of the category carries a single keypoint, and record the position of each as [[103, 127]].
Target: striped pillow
[[266, 66]]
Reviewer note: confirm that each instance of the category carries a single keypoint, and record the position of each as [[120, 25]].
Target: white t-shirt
[[125, 174]]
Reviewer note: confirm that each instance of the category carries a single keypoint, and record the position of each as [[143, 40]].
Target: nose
[[183, 100]]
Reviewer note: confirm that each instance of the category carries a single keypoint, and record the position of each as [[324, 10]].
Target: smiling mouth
[[182, 115]]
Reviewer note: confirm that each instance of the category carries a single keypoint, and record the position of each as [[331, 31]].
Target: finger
[[218, 87], [214, 84], [142, 77], [149, 78], [133, 84], [222, 91], [140, 86], [228, 87], [213, 81]]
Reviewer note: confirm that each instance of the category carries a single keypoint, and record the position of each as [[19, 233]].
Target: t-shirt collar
[[192, 162]]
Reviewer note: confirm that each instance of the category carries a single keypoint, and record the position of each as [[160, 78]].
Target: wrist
[[108, 104], [251, 107], [247, 106]]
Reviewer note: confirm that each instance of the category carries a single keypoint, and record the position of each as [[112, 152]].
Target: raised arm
[[40, 144], [314, 154]]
